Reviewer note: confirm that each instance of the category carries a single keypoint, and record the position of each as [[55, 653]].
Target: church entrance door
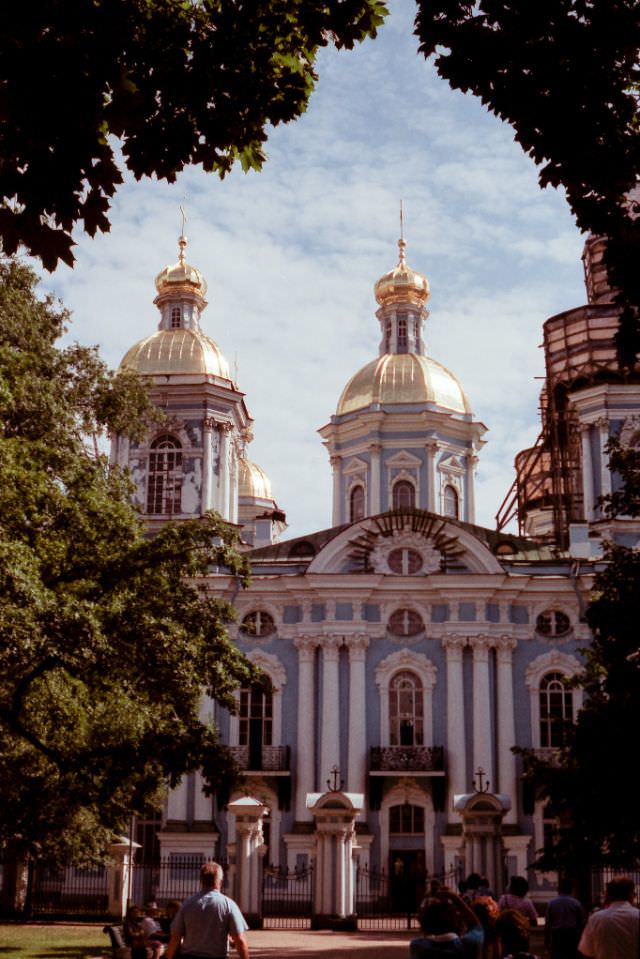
[[407, 874]]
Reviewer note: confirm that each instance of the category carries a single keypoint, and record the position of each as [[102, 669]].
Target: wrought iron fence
[[287, 898], [388, 901]]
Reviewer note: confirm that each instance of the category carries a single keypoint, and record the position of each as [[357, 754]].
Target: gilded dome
[[181, 277], [176, 351], [402, 284], [253, 482], [403, 378]]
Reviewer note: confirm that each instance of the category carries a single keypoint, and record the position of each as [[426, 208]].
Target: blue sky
[[291, 255]]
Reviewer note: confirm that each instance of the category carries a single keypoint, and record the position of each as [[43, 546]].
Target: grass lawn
[[52, 941]]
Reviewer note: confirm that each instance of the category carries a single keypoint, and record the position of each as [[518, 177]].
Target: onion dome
[[403, 378], [402, 284], [179, 346], [181, 277], [253, 482]]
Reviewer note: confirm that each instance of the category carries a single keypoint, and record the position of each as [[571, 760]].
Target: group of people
[[473, 925], [201, 928], [469, 925]]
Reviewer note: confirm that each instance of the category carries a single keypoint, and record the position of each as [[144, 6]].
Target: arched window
[[406, 819], [176, 317], [258, 623], [164, 487], [405, 622], [404, 495], [406, 719], [451, 502], [357, 503], [255, 728], [556, 709], [403, 339]]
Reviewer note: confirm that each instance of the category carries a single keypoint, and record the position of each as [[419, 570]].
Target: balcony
[[274, 760], [397, 760]]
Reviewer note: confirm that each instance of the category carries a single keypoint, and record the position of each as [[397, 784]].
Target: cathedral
[[409, 649]]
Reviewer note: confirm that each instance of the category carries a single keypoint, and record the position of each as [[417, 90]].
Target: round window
[[405, 562], [553, 623], [405, 622], [258, 624]]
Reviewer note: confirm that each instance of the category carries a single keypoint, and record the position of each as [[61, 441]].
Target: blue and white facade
[[409, 649]]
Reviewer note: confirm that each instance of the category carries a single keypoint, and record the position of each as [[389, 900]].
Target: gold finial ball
[[402, 284]]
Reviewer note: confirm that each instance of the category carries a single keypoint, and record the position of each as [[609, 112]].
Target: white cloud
[[291, 256]]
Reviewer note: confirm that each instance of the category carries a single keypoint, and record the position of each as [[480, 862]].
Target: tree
[[169, 82], [564, 74], [107, 636], [592, 787]]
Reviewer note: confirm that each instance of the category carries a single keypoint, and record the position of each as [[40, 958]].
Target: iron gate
[[287, 898]]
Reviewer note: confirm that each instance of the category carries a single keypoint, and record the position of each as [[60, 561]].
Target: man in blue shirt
[[207, 922]]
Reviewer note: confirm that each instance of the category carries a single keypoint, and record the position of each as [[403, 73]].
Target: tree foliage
[[107, 638], [175, 82], [593, 787], [564, 74]]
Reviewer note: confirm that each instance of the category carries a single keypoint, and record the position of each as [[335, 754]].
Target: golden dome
[[176, 351], [181, 277], [402, 284], [253, 482], [395, 378]]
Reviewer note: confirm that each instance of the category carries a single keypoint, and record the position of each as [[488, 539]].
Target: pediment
[[356, 547], [355, 465], [403, 459]]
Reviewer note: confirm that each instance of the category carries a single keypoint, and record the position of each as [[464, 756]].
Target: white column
[[605, 475], [482, 738], [357, 743], [233, 484], [588, 492], [470, 505], [374, 484], [336, 465], [306, 759], [506, 724], [431, 449], [223, 473], [456, 739], [207, 464], [330, 743]]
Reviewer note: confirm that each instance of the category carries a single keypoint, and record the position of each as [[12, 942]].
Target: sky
[[291, 255]]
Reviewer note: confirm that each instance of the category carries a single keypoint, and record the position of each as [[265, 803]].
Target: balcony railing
[[269, 759], [407, 759]]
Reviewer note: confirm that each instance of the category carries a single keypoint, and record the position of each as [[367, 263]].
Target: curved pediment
[[437, 544]]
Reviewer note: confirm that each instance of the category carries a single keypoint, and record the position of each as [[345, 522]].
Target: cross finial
[[333, 786], [182, 240], [402, 243]]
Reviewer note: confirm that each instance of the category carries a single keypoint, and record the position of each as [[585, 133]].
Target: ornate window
[[451, 502], [356, 503], [176, 317], [404, 495], [406, 710], [405, 622], [258, 623], [405, 561], [256, 717], [406, 819], [403, 339], [553, 623], [556, 709], [164, 487]]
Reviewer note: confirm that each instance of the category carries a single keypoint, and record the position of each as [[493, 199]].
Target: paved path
[[321, 944]]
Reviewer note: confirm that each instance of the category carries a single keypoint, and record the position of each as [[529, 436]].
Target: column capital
[[306, 646], [481, 646], [454, 644], [226, 427], [331, 647], [375, 447], [431, 446], [209, 423], [335, 461], [357, 646], [505, 645]]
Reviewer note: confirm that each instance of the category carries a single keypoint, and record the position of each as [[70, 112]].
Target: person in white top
[[613, 932]]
